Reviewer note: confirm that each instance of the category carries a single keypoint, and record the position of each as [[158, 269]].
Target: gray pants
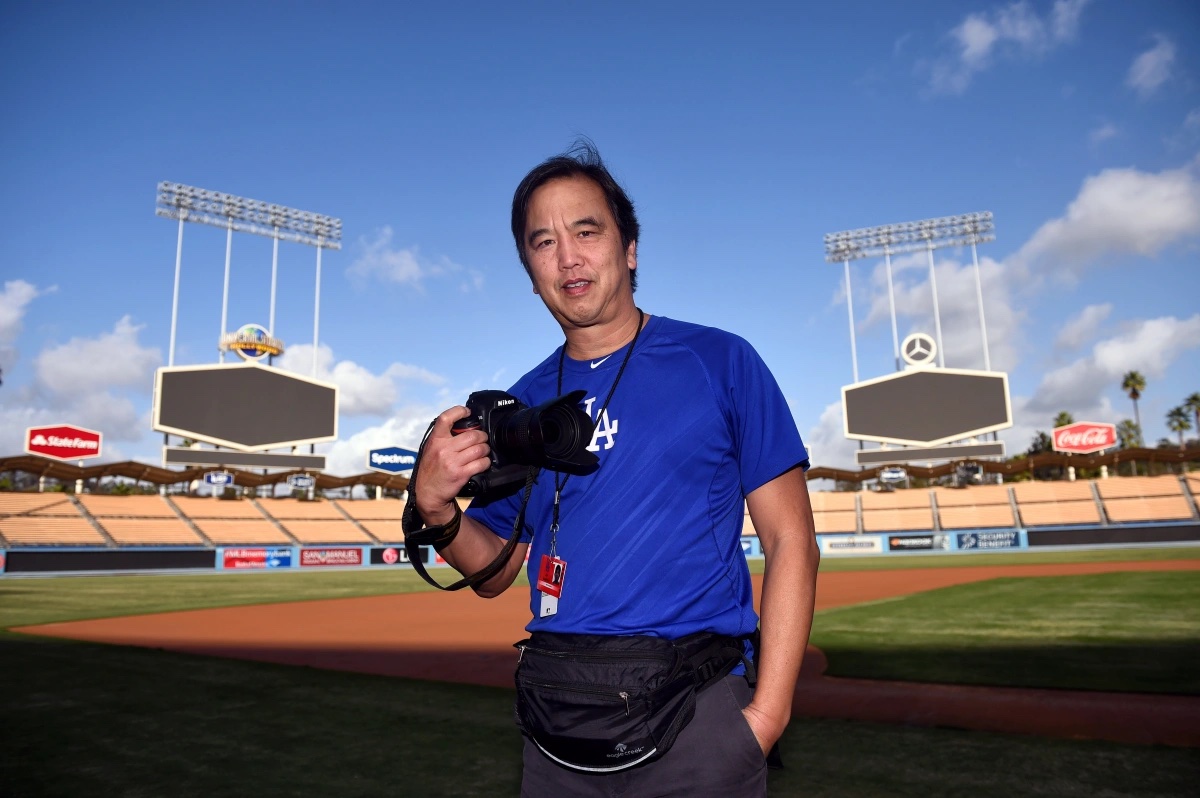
[[715, 756]]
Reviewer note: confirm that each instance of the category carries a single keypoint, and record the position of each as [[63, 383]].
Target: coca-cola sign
[[1085, 437], [62, 442]]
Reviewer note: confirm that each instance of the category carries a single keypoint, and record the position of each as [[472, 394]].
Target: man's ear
[[631, 255]]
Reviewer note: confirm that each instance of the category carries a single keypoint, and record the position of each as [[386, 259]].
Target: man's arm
[[782, 516], [447, 462]]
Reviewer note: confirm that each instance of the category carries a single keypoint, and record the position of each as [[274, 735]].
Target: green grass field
[[85, 719]]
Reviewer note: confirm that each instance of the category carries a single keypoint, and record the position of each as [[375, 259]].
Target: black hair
[[581, 160]]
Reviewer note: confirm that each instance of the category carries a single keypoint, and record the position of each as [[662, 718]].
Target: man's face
[[576, 260]]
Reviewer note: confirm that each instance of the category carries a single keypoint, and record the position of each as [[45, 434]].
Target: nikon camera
[[553, 435]]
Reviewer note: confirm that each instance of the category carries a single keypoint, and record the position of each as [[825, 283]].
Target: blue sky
[[743, 132]]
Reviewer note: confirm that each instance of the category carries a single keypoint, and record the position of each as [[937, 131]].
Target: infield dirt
[[459, 637]]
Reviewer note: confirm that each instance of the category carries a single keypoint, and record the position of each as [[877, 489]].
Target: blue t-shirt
[[652, 538]]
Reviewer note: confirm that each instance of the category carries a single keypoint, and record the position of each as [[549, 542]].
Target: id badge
[[551, 575]]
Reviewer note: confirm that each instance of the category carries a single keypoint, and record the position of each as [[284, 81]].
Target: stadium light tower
[[233, 213], [895, 239]]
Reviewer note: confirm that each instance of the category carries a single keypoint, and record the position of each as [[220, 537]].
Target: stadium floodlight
[[190, 204], [896, 239]]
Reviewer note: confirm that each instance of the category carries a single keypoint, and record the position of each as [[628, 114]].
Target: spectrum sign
[[62, 442]]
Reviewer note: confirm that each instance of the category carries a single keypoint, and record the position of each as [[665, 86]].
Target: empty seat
[[127, 506], [1134, 487], [836, 521], [240, 531], [310, 531], [828, 501], [898, 520], [30, 530], [150, 531], [370, 510], [388, 531], [52, 504], [1148, 508], [978, 495], [294, 508], [194, 507], [976, 517], [895, 500], [1059, 513], [1051, 491]]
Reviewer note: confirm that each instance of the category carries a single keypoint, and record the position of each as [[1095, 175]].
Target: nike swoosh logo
[[601, 360]]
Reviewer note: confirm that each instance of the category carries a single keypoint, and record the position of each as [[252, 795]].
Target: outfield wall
[[66, 560]]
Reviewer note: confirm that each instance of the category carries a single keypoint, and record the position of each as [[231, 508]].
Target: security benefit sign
[[1000, 539]]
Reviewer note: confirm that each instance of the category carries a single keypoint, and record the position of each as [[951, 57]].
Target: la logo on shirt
[[606, 429]]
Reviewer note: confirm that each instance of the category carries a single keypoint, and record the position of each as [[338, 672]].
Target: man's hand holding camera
[[447, 462]]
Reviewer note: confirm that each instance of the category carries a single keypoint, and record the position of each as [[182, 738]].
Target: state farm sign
[[63, 442], [1085, 437]]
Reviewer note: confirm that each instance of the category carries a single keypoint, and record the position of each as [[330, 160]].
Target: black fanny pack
[[606, 703]]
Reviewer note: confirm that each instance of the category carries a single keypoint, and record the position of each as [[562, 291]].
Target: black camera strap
[[416, 534], [559, 486]]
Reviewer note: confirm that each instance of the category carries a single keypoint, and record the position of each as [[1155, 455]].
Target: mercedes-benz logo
[[918, 349]]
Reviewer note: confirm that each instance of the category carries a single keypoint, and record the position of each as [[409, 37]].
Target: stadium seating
[[896, 511], [139, 521], [1056, 503], [45, 519], [314, 522], [1141, 499], [380, 518], [834, 511], [975, 507], [242, 531]]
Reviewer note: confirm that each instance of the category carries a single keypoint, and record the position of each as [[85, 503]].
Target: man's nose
[[568, 253]]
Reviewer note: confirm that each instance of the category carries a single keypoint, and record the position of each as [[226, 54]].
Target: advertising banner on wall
[[851, 544], [256, 558], [395, 555], [918, 542], [325, 557], [1000, 539]]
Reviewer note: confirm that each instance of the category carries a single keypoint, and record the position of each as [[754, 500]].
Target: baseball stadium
[[1031, 637]]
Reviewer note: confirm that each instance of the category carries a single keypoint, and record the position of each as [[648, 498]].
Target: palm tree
[[1133, 384], [1063, 419], [1193, 403], [1179, 422], [1129, 435]]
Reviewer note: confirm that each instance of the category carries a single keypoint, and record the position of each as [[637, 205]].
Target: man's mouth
[[576, 287]]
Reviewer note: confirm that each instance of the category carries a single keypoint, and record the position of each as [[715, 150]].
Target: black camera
[[553, 435]]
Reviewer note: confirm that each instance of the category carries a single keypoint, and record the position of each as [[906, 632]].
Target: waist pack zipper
[[620, 695], [617, 658]]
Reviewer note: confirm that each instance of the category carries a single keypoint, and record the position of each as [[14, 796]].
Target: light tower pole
[[895, 239], [238, 214]]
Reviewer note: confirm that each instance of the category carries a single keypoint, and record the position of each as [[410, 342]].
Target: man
[[689, 423]]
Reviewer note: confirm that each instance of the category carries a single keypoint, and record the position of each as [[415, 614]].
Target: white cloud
[[1083, 327], [1014, 31], [15, 297], [404, 429], [958, 307], [361, 392], [1191, 122], [379, 260], [1149, 346], [86, 365], [1119, 212], [1103, 133], [1152, 68], [827, 442]]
